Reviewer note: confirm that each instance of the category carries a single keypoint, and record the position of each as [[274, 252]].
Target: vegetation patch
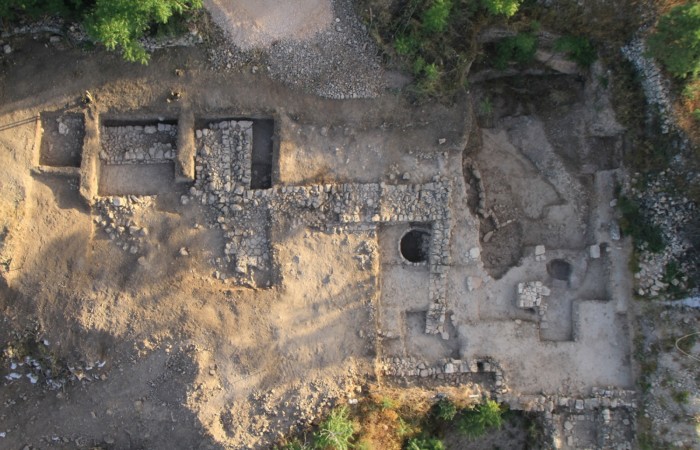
[[578, 48], [634, 224], [397, 423], [520, 49], [117, 24]]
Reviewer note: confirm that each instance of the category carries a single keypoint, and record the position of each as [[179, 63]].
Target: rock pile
[[224, 152], [44, 371], [671, 213], [530, 294], [138, 144], [115, 216]]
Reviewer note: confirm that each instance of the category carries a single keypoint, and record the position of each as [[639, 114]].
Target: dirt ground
[[140, 342], [260, 23]]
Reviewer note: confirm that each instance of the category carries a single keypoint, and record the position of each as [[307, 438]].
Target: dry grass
[[391, 415], [687, 108]]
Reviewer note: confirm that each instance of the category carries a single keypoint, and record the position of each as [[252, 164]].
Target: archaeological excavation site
[[270, 229]]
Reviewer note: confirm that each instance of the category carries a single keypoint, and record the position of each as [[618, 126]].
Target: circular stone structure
[[559, 269], [415, 245]]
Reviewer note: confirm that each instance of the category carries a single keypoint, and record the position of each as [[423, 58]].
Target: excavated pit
[[415, 245], [62, 139], [262, 158], [559, 269]]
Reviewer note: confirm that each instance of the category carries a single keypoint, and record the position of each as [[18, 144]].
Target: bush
[[436, 16], [676, 42], [406, 45], [445, 410], [681, 397], [425, 444], [520, 48], [336, 431], [506, 8], [475, 422], [295, 444], [578, 48]]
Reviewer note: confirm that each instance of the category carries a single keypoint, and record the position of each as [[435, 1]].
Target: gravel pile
[[655, 86], [340, 62]]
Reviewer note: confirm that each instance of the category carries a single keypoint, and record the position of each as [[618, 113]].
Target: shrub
[[506, 8], [405, 45], [425, 444], [676, 42], [445, 410], [476, 422], [295, 444], [578, 48], [436, 16], [520, 48], [681, 397], [387, 403], [431, 71], [336, 431]]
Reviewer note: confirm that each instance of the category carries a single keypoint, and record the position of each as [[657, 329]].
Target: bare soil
[[153, 348]]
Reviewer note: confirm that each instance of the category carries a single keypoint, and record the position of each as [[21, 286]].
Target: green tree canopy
[[118, 24], [676, 42]]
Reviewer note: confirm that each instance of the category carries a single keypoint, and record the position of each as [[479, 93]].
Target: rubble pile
[[671, 213], [115, 216], [138, 144]]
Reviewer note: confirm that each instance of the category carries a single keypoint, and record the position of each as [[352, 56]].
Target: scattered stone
[[594, 251], [474, 253], [7, 49], [615, 233], [530, 294], [184, 252]]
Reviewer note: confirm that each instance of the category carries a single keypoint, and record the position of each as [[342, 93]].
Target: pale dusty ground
[[190, 362], [259, 23]]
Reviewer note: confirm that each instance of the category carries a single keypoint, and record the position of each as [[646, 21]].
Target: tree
[[676, 42], [120, 23]]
